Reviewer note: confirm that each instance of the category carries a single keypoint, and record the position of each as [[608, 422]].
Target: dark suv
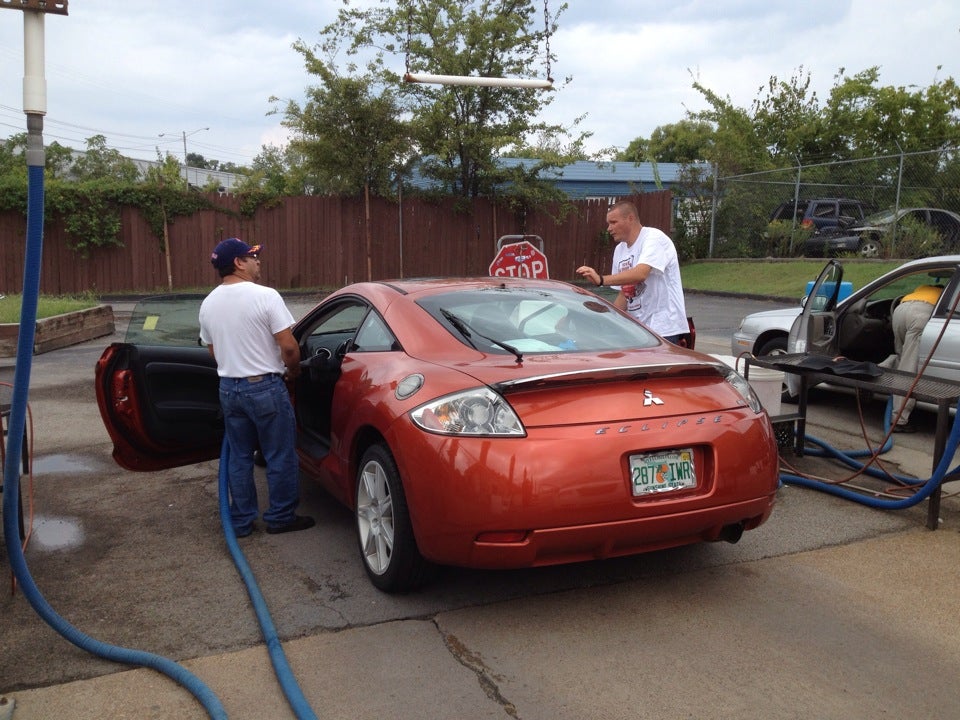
[[820, 213]]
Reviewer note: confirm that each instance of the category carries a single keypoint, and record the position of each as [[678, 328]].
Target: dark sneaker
[[299, 522], [907, 427], [245, 532]]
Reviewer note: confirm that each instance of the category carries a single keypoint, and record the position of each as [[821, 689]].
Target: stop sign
[[520, 260]]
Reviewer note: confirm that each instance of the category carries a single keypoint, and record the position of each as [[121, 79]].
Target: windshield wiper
[[463, 327]]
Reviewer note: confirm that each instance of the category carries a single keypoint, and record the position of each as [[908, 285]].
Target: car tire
[[774, 346], [384, 531], [778, 346], [870, 248]]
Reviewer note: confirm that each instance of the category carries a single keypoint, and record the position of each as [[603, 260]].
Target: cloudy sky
[[145, 73]]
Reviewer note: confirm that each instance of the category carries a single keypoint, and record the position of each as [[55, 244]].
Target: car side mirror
[[343, 348]]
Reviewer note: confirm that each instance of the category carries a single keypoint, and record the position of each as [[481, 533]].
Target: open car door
[[158, 391], [815, 329]]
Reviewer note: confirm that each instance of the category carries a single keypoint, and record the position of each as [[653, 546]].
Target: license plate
[[659, 472]]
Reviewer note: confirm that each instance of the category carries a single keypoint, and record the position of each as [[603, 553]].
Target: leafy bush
[[785, 240], [912, 238]]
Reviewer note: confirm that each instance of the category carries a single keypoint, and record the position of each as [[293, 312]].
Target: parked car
[[820, 213], [859, 327], [867, 238], [487, 423]]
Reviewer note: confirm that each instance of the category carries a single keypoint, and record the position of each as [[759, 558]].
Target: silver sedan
[[859, 327]]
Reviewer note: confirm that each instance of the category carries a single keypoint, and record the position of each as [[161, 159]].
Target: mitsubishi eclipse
[[483, 422]]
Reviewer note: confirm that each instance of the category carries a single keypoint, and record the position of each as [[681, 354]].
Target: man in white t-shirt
[[247, 329], [646, 272]]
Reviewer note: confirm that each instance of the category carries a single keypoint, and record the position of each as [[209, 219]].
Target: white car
[[859, 326], [764, 333]]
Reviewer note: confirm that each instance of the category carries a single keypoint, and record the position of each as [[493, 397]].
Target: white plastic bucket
[[767, 384]]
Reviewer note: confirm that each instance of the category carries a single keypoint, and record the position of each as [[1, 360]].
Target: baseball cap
[[230, 249]]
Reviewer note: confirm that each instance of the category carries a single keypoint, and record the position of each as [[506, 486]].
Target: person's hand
[[590, 274]]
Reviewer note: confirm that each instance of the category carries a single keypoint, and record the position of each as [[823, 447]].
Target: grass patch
[[47, 306], [786, 279]]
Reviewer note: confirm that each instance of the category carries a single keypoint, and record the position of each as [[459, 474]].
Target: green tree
[[167, 184], [348, 135], [196, 160], [686, 141], [275, 172], [102, 163], [787, 119], [13, 164], [862, 119], [59, 161], [458, 131], [555, 149]]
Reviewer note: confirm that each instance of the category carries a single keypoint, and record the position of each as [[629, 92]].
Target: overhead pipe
[[471, 80]]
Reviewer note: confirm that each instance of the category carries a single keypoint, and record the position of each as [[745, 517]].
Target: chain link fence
[[740, 220]]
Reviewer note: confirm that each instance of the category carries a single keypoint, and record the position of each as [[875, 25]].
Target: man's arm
[[634, 275], [637, 274], [289, 352]]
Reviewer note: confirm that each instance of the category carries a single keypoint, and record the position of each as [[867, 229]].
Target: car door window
[[917, 216], [947, 226], [375, 336], [825, 210], [851, 210], [336, 328]]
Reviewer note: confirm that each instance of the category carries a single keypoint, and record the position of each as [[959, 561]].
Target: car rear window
[[168, 320], [535, 321]]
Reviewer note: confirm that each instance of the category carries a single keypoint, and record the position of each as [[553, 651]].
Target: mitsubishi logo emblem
[[650, 399]]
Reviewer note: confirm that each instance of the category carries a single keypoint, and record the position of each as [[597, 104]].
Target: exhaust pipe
[[731, 533]]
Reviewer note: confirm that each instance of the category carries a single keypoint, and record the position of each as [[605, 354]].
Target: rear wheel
[[869, 248], [384, 531]]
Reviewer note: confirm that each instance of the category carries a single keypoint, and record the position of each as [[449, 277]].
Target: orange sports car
[[480, 422]]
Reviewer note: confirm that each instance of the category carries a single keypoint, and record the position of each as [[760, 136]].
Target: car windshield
[[884, 217], [166, 320], [528, 320]]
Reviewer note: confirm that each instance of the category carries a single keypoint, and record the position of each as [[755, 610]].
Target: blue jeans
[[259, 414]]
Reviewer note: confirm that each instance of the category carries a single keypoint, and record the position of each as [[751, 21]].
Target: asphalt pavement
[[832, 609]]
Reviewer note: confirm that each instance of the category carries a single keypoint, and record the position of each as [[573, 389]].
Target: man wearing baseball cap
[[247, 328]]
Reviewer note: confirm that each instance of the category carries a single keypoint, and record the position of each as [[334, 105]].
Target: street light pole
[[184, 134]]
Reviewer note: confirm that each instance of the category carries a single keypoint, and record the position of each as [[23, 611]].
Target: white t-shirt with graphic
[[658, 301]]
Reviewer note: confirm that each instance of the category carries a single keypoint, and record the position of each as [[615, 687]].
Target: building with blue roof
[[585, 179]]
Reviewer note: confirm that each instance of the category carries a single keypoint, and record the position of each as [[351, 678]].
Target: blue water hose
[[295, 698], [924, 488], [11, 472], [848, 457]]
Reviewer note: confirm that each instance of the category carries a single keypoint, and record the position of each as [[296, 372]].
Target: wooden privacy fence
[[321, 242]]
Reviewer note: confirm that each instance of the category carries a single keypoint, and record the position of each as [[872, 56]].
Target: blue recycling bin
[[846, 289]]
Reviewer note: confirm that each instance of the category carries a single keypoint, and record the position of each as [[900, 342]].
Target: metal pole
[[896, 207], [478, 81], [713, 210]]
